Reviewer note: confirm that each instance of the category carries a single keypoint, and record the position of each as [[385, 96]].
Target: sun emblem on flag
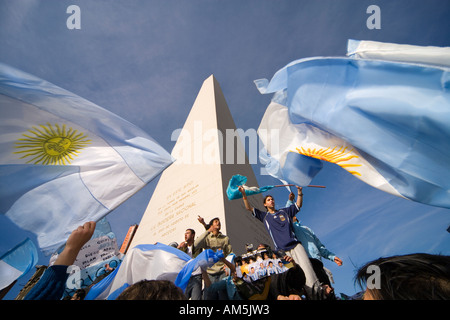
[[51, 144], [332, 155]]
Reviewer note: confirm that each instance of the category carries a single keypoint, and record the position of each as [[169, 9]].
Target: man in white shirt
[[194, 286]]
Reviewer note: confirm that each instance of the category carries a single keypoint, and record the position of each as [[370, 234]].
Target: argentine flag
[[239, 180], [65, 160], [17, 262], [152, 262], [427, 55], [385, 122]]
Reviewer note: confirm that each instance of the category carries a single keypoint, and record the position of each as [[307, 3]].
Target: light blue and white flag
[[65, 160], [17, 262], [83, 278], [387, 123], [427, 55], [240, 180], [151, 262]]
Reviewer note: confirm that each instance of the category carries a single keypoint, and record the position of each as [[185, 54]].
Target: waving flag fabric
[[207, 258], [17, 262], [387, 123], [65, 160], [437, 56], [151, 262], [239, 180]]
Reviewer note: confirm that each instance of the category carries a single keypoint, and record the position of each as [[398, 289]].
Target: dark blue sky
[[146, 61]]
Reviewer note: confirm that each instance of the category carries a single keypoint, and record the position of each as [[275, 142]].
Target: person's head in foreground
[[152, 290], [417, 276]]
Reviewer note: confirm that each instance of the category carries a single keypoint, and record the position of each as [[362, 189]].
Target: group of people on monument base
[[414, 276], [232, 281]]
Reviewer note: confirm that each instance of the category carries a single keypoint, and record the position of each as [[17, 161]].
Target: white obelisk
[[208, 153]]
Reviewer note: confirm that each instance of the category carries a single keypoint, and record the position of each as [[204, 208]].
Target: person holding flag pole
[[279, 225]]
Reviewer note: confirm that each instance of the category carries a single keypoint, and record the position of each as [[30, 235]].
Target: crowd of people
[[292, 270]]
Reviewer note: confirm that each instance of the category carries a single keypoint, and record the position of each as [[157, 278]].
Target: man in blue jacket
[[315, 250]]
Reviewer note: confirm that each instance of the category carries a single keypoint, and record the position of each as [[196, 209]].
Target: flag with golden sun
[[386, 122], [65, 160]]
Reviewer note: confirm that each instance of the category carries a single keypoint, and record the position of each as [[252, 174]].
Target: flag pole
[[291, 185]]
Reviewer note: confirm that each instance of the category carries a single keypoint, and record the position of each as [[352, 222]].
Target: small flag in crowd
[[17, 262], [387, 123], [151, 262], [65, 160], [239, 180], [98, 257]]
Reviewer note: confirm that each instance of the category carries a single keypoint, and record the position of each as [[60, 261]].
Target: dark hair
[[266, 198], [152, 290], [295, 279], [81, 293], [192, 231], [418, 276], [211, 222], [290, 282]]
